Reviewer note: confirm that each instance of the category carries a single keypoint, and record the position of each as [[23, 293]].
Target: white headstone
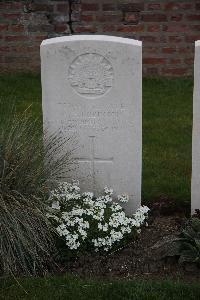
[[92, 88], [195, 188]]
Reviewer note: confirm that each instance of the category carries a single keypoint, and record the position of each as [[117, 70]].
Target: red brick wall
[[168, 29]]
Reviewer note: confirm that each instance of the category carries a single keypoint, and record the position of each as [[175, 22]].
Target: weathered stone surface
[[195, 188], [92, 89]]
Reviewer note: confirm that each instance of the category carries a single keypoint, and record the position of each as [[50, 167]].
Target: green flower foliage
[[185, 246], [190, 242]]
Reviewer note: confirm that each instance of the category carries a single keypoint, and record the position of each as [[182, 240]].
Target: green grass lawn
[[167, 138], [167, 129], [71, 288]]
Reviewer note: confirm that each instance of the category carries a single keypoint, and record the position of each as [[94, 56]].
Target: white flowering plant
[[86, 223]]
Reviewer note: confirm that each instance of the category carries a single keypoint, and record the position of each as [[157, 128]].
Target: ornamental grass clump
[[26, 168], [86, 223]]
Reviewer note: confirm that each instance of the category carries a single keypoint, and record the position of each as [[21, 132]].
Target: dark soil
[[139, 259]]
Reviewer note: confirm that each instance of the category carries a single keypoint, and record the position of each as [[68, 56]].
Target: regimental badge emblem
[[91, 75]]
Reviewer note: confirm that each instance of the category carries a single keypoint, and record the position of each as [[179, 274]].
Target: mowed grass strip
[[24, 89], [167, 138], [72, 288], [167, 130]]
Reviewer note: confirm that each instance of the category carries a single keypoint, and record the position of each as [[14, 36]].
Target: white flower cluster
[[123, 198], [82, 218], [65, 191]]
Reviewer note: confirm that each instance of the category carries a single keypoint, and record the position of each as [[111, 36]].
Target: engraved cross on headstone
[[92, 159]]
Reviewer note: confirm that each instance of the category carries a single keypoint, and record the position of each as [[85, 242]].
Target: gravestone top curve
[[102, 38]]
